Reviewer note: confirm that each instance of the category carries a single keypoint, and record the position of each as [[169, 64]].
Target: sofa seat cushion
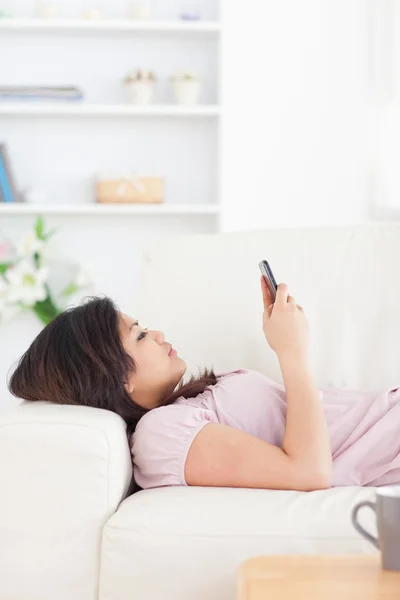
[[194, 538]]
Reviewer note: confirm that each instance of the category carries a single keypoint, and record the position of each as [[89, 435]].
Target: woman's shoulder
[[159, 416], [163, 420], [161, 441]]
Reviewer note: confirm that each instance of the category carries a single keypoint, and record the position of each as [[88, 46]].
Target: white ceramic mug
[[387, 510]]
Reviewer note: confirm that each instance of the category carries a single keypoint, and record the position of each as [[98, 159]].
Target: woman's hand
[[285, 325]]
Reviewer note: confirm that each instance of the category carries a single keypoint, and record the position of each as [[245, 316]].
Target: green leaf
[[39, 228], [71, 288], [3, 267], [48, 235], [46, 310], [36, 260], [42, 315]]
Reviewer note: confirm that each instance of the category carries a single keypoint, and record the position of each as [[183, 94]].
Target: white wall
[[296, 126], [387, 84]]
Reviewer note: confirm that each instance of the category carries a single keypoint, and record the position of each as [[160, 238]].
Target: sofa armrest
[[63, 472]]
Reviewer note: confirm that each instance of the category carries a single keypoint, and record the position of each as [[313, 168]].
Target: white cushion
[[63, 472], [203, 291], [186, 543]]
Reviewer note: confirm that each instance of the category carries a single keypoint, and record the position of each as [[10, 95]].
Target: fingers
[[268, 312], [267, 298], [282, 295], [292, 302], [283, 298]]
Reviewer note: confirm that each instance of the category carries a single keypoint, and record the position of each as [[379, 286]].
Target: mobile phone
[[268, 278]]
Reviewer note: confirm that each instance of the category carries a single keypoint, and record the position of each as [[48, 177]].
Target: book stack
[[8, 190], [30, 92]]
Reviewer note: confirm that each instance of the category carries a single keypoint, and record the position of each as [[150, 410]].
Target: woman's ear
[[129, 387]]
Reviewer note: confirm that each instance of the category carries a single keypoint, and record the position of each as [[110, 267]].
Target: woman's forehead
[[126, 320]]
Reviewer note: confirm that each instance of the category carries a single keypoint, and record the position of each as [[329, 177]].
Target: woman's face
[[157, 372]]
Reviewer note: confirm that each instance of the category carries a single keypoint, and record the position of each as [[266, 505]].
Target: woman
[[237, 429]]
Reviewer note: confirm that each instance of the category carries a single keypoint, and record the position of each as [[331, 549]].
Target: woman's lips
[[172, 352]]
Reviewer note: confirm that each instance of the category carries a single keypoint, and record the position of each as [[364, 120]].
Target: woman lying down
[[236, 429]]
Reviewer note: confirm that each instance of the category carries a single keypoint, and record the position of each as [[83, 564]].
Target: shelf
[[109, 209], [77, 109], [108, 25]]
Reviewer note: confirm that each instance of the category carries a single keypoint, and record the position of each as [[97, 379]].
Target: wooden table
[[317, 577]]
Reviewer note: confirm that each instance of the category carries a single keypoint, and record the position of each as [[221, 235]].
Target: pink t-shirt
[[247, 400]]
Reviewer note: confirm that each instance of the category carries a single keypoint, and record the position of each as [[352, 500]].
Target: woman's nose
[[160, 337]]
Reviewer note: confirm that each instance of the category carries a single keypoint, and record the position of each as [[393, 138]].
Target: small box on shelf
[[134, 190]]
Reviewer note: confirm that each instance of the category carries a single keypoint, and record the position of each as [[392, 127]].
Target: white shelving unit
[[109, 209], [104, 134], [77, 109], [110, 26]]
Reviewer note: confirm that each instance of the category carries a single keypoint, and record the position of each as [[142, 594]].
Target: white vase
[[187, 92], [140, 92], [46, 9], [140, 10], [92, 14]]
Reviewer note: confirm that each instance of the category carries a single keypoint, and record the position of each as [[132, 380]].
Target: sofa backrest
[[203, 291]]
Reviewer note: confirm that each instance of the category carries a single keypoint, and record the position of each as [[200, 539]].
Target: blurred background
[[123, 122]]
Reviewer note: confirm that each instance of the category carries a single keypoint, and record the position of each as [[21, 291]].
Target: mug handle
[[357, 525]]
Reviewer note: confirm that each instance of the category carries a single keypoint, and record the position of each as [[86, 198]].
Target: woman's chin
[[182, 362]]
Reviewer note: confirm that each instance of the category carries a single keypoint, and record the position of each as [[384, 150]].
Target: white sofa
[[67, 529]]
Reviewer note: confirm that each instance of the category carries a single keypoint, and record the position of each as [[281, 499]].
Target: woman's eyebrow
[[133, 325]]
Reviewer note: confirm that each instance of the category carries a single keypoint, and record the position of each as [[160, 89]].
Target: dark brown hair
[[79, 359]]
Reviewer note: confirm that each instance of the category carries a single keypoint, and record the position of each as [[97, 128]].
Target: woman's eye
[[142, 335]]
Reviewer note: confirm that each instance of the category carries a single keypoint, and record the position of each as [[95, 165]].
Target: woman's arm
[[223, 456], [306, 440]]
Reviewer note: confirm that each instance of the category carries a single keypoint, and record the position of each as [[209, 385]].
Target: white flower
[[4, 250], [3, 285], [4, 288], [30, 245], [26, 283], [3, 297], [8, 311], [83, 279]]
